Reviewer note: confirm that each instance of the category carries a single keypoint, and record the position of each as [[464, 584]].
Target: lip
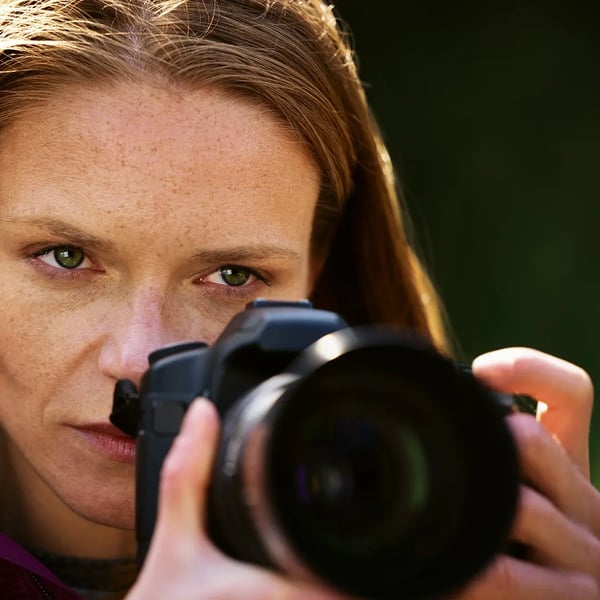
[[107, 440]]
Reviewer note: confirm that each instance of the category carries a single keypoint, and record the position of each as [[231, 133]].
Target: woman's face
[[131, 217]]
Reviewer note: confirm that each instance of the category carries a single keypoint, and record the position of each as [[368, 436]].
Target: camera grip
[[161, 422]]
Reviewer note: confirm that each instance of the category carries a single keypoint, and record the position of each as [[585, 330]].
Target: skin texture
[[160, 190], [559, 516]]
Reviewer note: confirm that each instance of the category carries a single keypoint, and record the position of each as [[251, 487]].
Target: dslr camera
[[356, 456]]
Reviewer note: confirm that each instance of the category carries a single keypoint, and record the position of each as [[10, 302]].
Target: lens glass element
[[358, 477], [366, 473]]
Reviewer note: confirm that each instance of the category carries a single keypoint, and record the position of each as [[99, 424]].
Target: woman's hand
[[182, 563], [558, 520]]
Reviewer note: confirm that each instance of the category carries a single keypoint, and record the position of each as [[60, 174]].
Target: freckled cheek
[[38, 342]]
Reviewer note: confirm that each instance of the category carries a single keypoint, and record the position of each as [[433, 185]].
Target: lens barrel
[[371, 464]]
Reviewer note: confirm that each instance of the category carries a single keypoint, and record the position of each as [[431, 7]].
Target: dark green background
[[492, 116]]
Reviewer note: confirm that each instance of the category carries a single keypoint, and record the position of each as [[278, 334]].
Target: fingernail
[[492, 364]]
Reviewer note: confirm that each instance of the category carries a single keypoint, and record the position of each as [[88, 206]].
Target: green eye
[[235, 276], [69, 257]]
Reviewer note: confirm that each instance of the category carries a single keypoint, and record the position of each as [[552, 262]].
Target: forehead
[[153, 153]]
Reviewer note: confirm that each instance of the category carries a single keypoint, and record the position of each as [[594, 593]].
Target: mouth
[[107, 440]]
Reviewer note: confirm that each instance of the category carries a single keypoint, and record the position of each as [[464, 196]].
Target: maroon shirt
[[23, 577]]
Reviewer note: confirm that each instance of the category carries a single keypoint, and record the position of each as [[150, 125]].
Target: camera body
[[359, 457], [257, 344]]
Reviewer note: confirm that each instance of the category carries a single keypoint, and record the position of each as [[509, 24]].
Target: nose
[[138, 327]]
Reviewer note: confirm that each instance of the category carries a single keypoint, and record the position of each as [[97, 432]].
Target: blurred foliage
[[491, 112]]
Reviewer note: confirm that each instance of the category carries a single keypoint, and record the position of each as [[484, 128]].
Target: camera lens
[[349, 467], [388, 475], [377, 468], [356, 478]]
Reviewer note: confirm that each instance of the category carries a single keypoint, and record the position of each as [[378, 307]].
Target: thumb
[[185, 477]]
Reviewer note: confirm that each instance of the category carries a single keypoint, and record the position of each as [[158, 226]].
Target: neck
[[108, 579], [32, 514]]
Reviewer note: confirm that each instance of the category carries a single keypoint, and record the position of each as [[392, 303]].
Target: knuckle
[[504, 577], [590, 548], [529, 505], [583, 385], [525, 360], [173, 470], [170, 475], [588, 584], [533, 511]]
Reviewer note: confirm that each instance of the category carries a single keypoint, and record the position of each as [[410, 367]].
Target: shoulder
[[22, 577]]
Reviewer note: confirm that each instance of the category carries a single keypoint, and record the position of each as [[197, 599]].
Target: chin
[[110, 506], [123, 518]]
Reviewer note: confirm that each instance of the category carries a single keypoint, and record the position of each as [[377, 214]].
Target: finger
[[511, 578], [546, 467], [255, 583], [551, 538], [186, 473], [565, 388]]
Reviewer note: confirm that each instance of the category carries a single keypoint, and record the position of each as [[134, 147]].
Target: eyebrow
[[61, 229], [79, 237], [246, 252]]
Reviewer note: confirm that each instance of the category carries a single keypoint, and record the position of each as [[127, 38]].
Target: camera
[[357, 456]]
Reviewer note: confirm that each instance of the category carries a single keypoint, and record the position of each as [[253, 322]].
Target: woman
[[163, 163]]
